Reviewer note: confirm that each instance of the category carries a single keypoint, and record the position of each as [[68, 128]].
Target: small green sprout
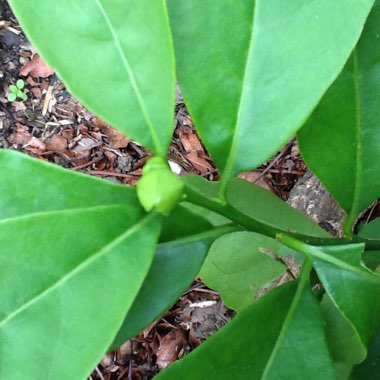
[[16, 91]]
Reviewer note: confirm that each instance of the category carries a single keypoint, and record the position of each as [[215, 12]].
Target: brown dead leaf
[[35, 143], [116, 139], [21, 136], [56, 143], [37, 68], [169, 348], [190, 141], [199, 163], [255, 177], [36, 91]]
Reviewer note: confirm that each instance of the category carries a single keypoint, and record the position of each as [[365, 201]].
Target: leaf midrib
[[303, 282], [359, 146], [131, 76], [235, 137], [83, 265], [343, 265]]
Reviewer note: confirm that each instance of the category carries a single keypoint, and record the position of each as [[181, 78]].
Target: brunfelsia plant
[[84, 267]]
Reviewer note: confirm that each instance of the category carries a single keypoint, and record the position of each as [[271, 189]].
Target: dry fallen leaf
[[37, 68], [116, 139], [255, 177], [56, 143], [170, 346], [21, 136]]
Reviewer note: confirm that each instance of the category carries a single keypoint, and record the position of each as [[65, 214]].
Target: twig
[[130, 374], [371, 211], [275, 160], [99, 373], [113, 174]]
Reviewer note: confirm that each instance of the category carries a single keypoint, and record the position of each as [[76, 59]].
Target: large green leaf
[[238, 265], [341, 140], [370, 368], [29, 186], [174, 267], [115, 56], [371, 230], [266, 64], [183, 222], [344, 343], [353, 288], [281, 336], [248, 205], [264, 206], [67, 278]]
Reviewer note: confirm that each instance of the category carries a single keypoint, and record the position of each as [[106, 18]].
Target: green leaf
[[238, 266], [116, 57], [11, 97], [212, 217], [20, 84], [13, 88], [183, 222], [353, 288], [341, 140], [30, 186], [344, 343], [199, 185], [372, 260], [204, 189], [281, 336], [370, 368], [266, 63], [371, 230], [174, 267], [67, 280], [263, 206]]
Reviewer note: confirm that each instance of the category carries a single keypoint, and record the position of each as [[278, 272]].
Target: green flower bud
[[159, 189]]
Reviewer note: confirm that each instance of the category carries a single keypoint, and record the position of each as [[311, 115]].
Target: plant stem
[[223, 208]]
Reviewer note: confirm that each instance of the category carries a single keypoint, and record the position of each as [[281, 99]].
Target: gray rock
[[310, 197]]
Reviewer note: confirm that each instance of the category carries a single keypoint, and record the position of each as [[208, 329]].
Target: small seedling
[[16, 91]]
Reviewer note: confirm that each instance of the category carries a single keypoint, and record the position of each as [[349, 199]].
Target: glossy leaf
[[212, 217], [174, 267], [370, 368], [372, 260], [183, 222], [115, 57], [344, 343], [281, 336], [264, 206], [371, 230], [353, 288], [341, 140], [208, 190], [67, 280], [266, 63], [30, 186], [238, 265]]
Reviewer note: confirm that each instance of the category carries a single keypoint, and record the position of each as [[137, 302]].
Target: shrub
[[84, 267]]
